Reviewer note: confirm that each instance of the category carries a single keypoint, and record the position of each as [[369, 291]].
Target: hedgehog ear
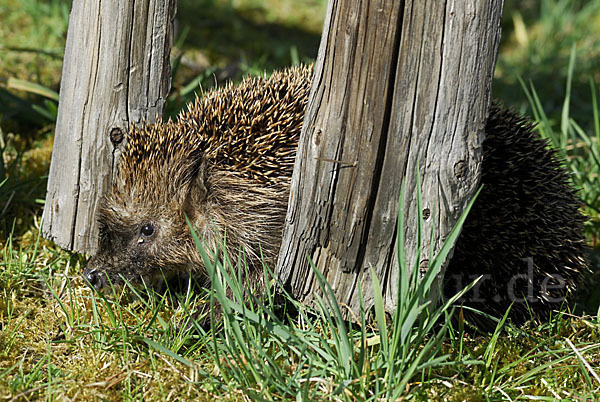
[[194, 183]]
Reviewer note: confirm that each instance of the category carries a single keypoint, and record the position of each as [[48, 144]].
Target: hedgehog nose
[[94, 278]]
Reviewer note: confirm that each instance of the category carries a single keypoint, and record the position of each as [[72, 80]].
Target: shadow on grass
[[226, 34], [24, 165], [20, 204], [587, 297], [222, 43]]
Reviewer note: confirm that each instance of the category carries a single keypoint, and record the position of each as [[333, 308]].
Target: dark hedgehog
[[524, 233], [226, 164]]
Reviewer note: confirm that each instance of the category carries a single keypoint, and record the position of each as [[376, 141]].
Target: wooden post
[[398, 84], [116, 72]]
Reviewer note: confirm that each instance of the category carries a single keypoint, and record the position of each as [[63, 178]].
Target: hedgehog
[[524, 234], [225, 165]]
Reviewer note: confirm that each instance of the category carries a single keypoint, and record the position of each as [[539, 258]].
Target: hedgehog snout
[[94, 278]]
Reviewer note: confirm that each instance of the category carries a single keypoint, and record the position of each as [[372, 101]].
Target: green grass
[[58, 339], [277, 359]]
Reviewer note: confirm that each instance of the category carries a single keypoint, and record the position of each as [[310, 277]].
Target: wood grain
[[398, 84], [116, 72]]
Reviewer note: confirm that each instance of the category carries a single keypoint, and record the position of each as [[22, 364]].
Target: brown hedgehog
[[226, 164]]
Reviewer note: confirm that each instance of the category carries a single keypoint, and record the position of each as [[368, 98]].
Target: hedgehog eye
[[147, 230]]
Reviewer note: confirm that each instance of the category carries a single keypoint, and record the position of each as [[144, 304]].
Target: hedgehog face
[[146, 240], [147, 249]]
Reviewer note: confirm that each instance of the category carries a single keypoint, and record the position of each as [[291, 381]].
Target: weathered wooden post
[[398, 84], [116, 71]]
